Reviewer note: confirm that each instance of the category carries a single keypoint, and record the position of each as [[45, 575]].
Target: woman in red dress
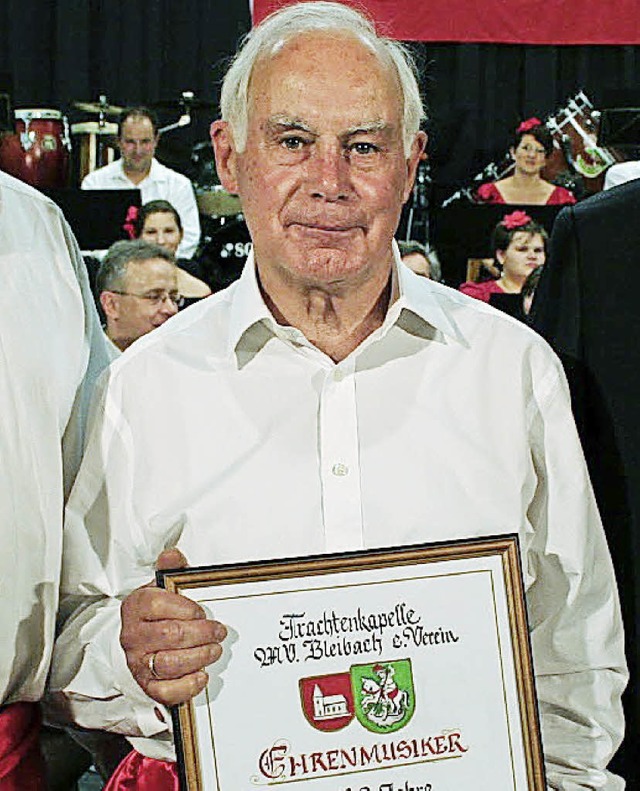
[[519, 247], [531, 147]]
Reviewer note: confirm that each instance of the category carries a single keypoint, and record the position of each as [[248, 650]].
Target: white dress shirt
[[51, 349], [620, 173], [236, 439], [161, 183]]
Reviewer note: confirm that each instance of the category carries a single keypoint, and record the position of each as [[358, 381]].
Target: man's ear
[[226, 156], [415, 156], [109, 304]]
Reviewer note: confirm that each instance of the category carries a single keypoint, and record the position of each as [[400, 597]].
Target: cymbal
[[97, 107], [94, 128]]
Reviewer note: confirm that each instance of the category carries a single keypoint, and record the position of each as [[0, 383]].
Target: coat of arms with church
[[380, 695]]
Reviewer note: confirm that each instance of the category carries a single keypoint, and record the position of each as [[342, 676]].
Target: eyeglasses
[[155, 297], [527, 148]]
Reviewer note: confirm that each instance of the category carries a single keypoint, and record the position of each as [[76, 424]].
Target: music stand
[[96, 217], [619, 127]]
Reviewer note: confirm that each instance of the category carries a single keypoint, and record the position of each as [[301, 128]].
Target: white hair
[[319, 16]]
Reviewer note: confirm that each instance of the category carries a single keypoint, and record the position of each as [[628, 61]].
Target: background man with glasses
[[138, 287]]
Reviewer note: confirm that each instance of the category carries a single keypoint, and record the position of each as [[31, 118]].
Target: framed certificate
[[383, 670]]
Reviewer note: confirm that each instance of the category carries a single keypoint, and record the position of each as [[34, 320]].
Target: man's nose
[[329, 173], [168, 307]]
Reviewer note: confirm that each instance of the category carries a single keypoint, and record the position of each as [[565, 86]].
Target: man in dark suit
[[586, 306]]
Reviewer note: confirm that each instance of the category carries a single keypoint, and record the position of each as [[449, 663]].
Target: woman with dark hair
[[531, 147], [519, 247], [159, 222]]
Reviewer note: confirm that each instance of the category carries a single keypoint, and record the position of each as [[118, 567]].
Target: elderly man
[[137, 285], [138, 167], [51, 352], [329, 401]]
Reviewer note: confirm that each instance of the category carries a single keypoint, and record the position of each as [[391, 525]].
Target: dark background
[[56, 52]]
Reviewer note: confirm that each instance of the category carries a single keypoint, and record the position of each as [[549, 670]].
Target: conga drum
[[94, 145], [39, 151]]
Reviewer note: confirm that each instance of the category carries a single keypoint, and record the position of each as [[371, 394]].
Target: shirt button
[[340, 470]]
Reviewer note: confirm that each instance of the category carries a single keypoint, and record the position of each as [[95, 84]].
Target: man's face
[[146, 305], [137, 144], [323, 176]]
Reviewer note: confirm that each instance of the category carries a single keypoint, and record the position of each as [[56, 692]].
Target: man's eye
[[364, 148], [292, 143]]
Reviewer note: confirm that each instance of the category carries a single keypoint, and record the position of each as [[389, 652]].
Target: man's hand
[[168, 640]]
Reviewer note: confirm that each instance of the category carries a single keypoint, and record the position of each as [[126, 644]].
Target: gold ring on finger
[[151, 662]]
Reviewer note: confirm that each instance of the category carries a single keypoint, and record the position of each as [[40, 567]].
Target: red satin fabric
[[136, 772], [21, 764]]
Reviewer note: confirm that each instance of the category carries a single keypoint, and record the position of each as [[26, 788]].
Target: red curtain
[[499, 21]]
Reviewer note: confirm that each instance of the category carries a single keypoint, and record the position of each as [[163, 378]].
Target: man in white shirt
[[330, 400], [138, 167], [51, 351]]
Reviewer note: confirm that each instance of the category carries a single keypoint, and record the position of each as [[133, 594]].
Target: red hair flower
[[130, 221], [529, 124], [515, 220]]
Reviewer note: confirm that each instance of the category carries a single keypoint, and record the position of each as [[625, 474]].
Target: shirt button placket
[[339, 460]]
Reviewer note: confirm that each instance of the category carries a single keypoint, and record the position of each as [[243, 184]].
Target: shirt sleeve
[[98, 359], [90, 682], [561, 196], [481, 291], [488, 193], [573, 607], [91, 181]]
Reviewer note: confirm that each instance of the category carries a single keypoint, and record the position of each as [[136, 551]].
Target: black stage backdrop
[[144, 51]]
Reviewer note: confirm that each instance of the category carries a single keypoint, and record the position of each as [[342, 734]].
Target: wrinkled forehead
[[314, 61]]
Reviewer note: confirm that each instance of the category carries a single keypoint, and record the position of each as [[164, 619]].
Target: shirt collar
[[423, 298], [248, 308], [410, 292], [155, 172]]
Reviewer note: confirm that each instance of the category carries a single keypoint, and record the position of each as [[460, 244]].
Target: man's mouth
[[323, 228]]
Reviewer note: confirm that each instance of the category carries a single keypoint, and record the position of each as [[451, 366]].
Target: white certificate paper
[[394, 670]]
